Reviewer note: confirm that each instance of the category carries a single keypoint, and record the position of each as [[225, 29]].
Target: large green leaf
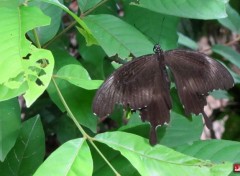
[[180, 130], [117, 37], [159, 160], [65, 129], [215, 150], [28, 152], [231, 55], [46, 33], [71, 159], [158, 28], [26, 73], [77, 75], [203, 9], [9, 125], [232, 20], [92, 59]]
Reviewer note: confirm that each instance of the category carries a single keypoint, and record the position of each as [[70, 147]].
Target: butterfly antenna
[[161, 30]]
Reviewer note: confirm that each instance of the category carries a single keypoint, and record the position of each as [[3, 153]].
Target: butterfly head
[[157, 49]]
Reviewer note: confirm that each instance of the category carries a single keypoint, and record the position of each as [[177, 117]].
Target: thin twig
[[92, 9], [226, 44], [60, 34], [36, 38]]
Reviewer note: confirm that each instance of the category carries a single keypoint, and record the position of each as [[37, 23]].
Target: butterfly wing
[[141, 84], [195, 75], [131, 85]]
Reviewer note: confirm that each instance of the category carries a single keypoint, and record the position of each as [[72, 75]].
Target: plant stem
[[85, 135], [226, 44], [38, 44], [36, 38], [105, 159], [60, 34], [92, 9]]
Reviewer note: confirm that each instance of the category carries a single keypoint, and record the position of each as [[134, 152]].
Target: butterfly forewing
[[196, 74], [130, 85]]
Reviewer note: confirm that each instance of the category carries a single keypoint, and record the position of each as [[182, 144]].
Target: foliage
[[53, 60]]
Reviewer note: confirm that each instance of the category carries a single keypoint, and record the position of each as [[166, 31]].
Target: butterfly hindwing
[[158, 110], [196, 74]]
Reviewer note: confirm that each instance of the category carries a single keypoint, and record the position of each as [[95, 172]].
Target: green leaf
[[88, 37], [159, 160], [7, 3], [13, 35], [181, 130], [186, 128], [228, 53], [9, 125], [232, 20], [77, 75], [65, 129], [117, 37], [28, 152], [46, 33], [205, 9], [92, 59], [72, 158], [215, 150], [160, 28], [85, 5], [186, 41], [22, 76], [39, 70]]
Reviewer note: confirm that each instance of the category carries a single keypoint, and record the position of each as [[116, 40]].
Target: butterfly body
[[143, 84]]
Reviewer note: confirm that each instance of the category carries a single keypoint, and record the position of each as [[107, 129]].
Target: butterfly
[[144, 84]]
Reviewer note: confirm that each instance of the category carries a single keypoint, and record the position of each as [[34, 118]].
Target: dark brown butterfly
[[143, 84]]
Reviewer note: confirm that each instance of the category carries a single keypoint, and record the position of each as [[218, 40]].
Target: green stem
[[36, 38], [92, 9], [60, 34], [105, 159], [85, 135], [38, 44]]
